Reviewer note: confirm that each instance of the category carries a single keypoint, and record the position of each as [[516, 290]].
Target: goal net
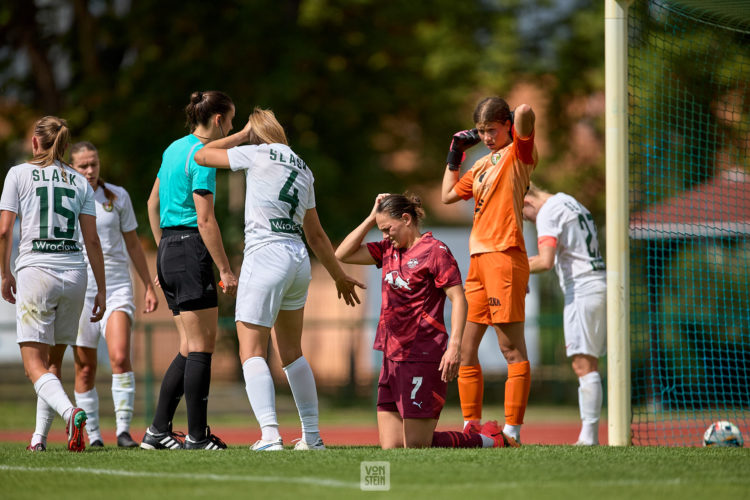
[[689, 136]]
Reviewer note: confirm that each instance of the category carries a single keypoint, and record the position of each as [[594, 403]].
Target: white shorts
[[585, 324], [48, 304], [119, 299], [273, 277]]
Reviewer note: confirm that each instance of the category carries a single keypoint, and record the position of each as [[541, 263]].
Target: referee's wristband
[[454, 159]]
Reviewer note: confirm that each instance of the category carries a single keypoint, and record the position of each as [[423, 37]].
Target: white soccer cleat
[[304, 445], [261, 445], [581, 442]]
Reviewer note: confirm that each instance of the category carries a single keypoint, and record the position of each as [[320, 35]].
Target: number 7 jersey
[[279, 192], [48, 201]]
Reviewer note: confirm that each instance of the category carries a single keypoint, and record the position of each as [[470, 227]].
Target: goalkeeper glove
[[461, 142]]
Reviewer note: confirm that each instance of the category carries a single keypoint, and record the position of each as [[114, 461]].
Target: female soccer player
[[279, 208], [498, 269], [181, 213], [567, 241], [419, 272], [52, 201], [115, 224]]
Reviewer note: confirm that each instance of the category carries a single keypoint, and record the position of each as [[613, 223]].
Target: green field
[[531, 472]]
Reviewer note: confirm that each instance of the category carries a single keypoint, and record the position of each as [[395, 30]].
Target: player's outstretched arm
[[452, 358], [214, 153], [351, 250], [7, 219], [318, 240], [96, 261]]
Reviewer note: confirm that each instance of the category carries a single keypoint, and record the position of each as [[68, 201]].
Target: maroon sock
[[452, 439]]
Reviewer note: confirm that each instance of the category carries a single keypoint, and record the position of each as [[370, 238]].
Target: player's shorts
[[185, 270], [274, 277], [413, 389], [585, 324], [48, 304], [119, 299], [496, 287]]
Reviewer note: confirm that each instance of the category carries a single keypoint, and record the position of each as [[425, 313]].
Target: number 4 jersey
[[578, 262], [279, 192], [48, 201]]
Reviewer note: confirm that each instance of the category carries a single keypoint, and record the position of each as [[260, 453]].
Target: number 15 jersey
[[279, 192], [48, 201]]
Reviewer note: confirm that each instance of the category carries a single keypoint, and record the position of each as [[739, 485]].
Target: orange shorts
[[496, 286]]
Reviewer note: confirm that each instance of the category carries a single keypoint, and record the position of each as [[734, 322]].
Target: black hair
[[203, 105]]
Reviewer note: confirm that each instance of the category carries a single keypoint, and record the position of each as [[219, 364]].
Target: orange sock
[[471, 391], [517, 392]]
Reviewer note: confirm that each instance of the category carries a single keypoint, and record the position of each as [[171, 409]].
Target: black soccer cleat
[[96, 444], [125, 440], [167, 440], [210, 442]]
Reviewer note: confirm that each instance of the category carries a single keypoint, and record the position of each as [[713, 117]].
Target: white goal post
[[618, 250]]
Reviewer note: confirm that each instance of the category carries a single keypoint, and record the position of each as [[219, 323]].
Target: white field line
[[333, 483]]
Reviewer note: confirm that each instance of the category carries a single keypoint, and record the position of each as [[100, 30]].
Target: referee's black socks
[[197, 382], [172, 389]]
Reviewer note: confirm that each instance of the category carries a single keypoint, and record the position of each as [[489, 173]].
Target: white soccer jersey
[[279, 192], [48, 201], [113, 219], [578, 262]]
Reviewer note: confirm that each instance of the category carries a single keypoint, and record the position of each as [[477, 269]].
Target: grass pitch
[[533, 472]]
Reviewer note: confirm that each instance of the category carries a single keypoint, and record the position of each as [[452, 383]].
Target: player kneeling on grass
[[54, 203], [419, 272], [567, 241]]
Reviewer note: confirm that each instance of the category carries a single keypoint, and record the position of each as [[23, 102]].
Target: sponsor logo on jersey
[[396, 281], [284, 225], [412, 263], [54, 246]]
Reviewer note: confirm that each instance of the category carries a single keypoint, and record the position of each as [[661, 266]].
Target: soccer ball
[[723, 433]]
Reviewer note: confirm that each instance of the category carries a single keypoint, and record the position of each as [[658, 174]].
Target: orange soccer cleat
[[492, 429]]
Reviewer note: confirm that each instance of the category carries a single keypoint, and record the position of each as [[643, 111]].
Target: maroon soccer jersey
[[411, 326]]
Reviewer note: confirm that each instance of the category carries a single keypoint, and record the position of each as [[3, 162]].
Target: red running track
[[532, 433]]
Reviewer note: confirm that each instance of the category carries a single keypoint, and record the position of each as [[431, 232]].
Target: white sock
[[45, 415], [487, 442], [260, 392], [123, 396], [590, 404], [513, 431], [49, 388], [89, 401], [302, 382]]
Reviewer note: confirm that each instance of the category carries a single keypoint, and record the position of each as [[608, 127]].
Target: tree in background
[[372, 91]]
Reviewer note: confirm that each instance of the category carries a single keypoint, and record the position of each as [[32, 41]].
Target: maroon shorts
[[412, 389]]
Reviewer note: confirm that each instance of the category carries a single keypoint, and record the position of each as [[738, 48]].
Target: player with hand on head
[[567, 241], [499, 269], [419, 359], [275, 275], [54, 203], [181, 214], [116, 225]]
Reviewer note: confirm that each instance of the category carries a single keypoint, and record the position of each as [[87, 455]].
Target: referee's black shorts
[[185, 270]]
